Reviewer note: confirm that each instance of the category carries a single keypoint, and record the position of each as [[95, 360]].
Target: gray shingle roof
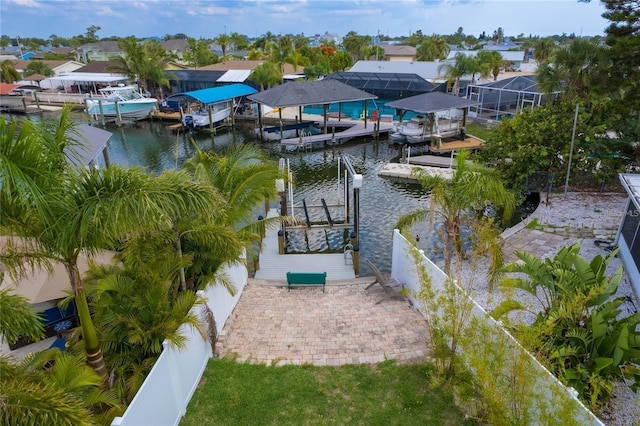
[[309, 93], [431, 102]]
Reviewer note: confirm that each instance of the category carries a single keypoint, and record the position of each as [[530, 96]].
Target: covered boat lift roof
[[302, 93], [89, 143], [217, 94], [432, 102]]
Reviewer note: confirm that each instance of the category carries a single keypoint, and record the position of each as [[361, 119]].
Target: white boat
[[207, 114], [125, 101], [411, 128]]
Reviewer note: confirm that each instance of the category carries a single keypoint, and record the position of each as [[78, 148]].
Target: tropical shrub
[[579, 331]]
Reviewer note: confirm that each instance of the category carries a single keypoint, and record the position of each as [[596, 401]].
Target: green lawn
[[385, 394], [478, 130]]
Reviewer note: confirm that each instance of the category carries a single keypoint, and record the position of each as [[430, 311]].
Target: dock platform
[[403, 171], [432, 160], [274, 266], [354, 129], [448, 145]]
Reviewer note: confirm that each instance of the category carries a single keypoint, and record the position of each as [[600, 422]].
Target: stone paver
[[341, 326]]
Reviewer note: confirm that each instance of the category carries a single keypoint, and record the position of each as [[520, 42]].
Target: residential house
[[176, 47], [398, 53], [100, 51]]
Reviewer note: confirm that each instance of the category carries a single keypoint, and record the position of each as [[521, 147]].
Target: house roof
[[432, 102], [234, 76], [103, 46], [97, 66], [175, 45], [303, 93], [425, 70], [91, 141], [198, 75], [21, 64], [372, 81], [396, 50], [515, 55], [218, 94], [246, 65]]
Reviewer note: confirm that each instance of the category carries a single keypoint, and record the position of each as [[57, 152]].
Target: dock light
[[280, 185], [357, 181]]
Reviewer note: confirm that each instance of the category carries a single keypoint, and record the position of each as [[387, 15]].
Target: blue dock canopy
[[218, 94]]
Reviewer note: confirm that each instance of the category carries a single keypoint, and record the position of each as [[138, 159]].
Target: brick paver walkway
[[341, 326]]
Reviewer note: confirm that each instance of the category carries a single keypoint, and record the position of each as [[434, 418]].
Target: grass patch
[[477, 129], [385, 394], [533, 224]]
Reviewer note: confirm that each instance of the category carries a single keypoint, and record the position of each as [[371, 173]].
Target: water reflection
[[154, 146]]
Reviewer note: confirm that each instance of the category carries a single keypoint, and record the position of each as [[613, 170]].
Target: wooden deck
[[470, 142], [354, 129], [274, 266]]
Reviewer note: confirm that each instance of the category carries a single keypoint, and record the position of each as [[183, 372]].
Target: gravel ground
[[592, 220]]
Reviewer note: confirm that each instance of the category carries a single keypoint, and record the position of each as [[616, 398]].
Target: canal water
[[382, 201]]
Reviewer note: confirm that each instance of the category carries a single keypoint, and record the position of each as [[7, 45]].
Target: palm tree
[[543, 49], [66, 392], [453, 72], [223, 41], [266, 75], [136, 308], [18, 319], [141, 62], [295, 59], [460, 204], [8, 72], [573, 69], [38, 67], [245, 178], [83, 211], [490, 62], [432, 48]]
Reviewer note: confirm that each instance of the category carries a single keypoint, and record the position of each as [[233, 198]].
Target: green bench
[[306, 279]]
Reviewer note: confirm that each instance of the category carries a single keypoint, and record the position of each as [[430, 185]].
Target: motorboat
[[121, 101], [411, 128], [204, 115]]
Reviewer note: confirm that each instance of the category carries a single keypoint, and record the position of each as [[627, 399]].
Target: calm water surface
[[382, 201]]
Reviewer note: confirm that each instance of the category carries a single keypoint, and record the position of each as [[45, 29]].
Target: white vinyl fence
[[166, 392], [545, 397]]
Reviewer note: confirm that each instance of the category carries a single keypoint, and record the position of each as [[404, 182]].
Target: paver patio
[[341, 326]]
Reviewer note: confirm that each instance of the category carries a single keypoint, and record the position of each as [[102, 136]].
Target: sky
[[210, 18]]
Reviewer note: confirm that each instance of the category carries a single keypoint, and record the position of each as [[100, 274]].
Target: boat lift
[[347, 179]]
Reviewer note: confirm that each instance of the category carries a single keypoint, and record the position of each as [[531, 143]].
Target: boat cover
[[432, 102], [218, 94]]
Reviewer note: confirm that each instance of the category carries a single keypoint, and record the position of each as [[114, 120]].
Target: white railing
[[167, 390], [60, 98], [546, 396]]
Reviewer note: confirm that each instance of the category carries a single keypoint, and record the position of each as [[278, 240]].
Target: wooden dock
[[354, 129], [448, 145], [274, 266]]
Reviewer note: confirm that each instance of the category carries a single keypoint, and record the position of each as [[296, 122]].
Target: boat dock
[[432, 160], [354, 129], [453, 144], [403, 171], [274, 266]]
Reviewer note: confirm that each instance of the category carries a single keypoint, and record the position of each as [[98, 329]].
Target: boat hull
[[201, 118], [136, 108], [12, 102]]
